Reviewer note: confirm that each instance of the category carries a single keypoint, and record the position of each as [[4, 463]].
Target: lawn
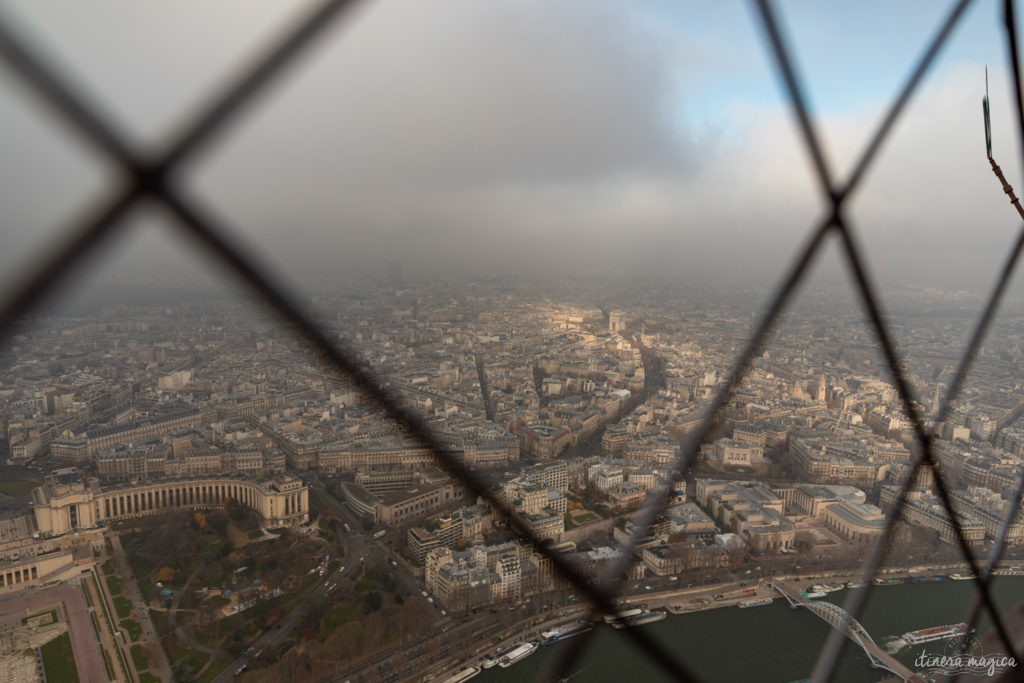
[[115, 585], [146, 677], [18, 487], [196, 659], [348, 611], [211, 635], [148, 589], [140, 658], [103, 602], [218, 665], [142, 567], [106, 660], [133, 628], [59, 661], [123, 606], [88, 595]]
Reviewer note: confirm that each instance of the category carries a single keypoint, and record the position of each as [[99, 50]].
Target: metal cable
[[152, 179]]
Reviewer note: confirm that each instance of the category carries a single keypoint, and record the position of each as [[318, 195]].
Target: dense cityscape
[[230, 508]]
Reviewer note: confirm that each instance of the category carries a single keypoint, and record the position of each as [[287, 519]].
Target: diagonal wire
[[207, 123], [924, 63], [74, 108], [985, 577], [150, 179], [1014, 503], [830, 653], [657, 501], [199, 225], [853, 606], [796, 94]]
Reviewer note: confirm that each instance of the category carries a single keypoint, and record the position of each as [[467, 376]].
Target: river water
[[772, 643]]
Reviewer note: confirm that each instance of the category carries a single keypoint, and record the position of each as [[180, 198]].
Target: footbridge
[[837, 618]]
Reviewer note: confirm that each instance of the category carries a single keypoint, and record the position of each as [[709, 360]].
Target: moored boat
[[926, 635], [925, 579], [640, 619], [756, 602], [564, 631], [886, 582], [518, 653], [492, 659]]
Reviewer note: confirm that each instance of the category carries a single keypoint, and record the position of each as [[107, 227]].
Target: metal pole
[[1006, 187]]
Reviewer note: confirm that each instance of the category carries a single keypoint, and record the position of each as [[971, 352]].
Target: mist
[[533, 139]]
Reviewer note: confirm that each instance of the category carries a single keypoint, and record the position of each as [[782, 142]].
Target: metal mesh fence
[[154, 178]]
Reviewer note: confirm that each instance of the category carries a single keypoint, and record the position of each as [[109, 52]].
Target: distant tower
[[935, 401], [821, 389], [616, 321]]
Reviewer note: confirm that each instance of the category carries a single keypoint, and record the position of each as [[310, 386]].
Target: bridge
[[837, 618]]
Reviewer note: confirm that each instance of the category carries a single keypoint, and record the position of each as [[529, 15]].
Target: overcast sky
[[527, 136]]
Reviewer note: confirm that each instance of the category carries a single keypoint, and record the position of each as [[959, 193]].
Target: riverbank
[[771, 643], [704, 596]]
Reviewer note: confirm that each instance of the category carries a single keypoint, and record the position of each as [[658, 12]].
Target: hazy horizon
[[525, 139]]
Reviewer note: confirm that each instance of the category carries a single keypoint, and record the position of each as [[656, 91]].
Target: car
[[423, 593], [647, 588]]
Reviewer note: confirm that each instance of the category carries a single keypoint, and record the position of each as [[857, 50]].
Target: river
[[772, 643]]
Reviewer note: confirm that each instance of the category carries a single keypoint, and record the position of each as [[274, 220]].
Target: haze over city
[[530, 138], [516, 390]]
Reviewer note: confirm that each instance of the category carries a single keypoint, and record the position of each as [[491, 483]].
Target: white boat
[[926, 635], [961, 577], [640, 619], [814, 594], [518, 653], [492, 659], [563, 632]]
